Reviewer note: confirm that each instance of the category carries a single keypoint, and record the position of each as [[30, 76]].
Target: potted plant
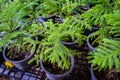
[[52, 52], [14, 38], [93, 41], [95, 15], [54, 18], [67, 40], [104, 57], [95, 38], [76, 24], [114, 33], [64, 8], [32, 10], [19, 52]]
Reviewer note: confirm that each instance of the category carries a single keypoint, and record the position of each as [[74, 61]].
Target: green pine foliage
[[106, 55], [32, 9], [104, 13], [114, 21], [70, 27], [94, 16], [64, 8], [50, 48], [11, 15]]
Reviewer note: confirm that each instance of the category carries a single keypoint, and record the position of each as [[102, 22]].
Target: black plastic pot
[[2, 60], [90, 46], [87, 32], [21, 64], [53, 17], [52, 76], [39, 20], [92, 73], [70, 45]]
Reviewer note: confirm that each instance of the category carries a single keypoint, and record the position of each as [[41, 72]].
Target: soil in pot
[[107, 75], [92, 42], [15, 54], [34, 26], [85, 8], [68, 42], [112, 75], [81, 9], [67, 39], [60, 74], [20, 57], [38, 37], [81, 70], [53, 68], [93, 29], [54, 18]]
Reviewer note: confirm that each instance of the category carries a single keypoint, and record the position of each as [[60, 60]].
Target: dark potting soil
[[81, 9], [67, 39], [53, 68], [16, 55], [55, 19], [96, 26], [85, 8], [107, 75], [94, 44], [81, 70]]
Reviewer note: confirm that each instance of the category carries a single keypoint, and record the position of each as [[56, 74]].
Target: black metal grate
[[33, 73], [81, 71]]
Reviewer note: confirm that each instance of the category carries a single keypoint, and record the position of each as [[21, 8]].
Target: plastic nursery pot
[[91, 48], [54, 18], [39, 20], [89, 43], [20, 64], [87, 32], [82, 9], [52, 76], [1, 58], [68, 44], [92, 73]]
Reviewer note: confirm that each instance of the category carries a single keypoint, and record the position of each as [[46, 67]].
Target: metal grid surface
[[30, 74]]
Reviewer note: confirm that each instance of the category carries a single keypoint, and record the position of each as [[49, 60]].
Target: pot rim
[[88, 42], [68, 43], [58, 75], [6, 58], [38, 20]]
